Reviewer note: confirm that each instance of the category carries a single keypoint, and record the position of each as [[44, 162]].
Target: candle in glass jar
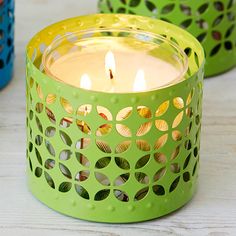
[[113, 64]]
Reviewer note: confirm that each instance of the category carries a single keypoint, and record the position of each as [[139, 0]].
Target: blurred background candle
[[133, 63]]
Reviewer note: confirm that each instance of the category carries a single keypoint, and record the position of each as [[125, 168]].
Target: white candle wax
[[86, 59]]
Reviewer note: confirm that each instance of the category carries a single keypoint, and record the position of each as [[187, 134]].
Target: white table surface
[[211, 212]]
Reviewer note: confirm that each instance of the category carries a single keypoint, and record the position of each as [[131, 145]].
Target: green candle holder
[[76, 168], [211, 22]]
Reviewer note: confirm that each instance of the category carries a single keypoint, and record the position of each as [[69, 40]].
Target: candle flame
[[140, 82], [85, 82], [110, 64]]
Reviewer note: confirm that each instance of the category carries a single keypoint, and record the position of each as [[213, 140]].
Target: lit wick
[[111, 74], [110, 65]]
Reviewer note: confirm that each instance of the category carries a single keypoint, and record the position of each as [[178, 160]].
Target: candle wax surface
[[131, 55]]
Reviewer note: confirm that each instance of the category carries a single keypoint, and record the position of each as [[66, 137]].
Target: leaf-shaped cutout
[[190, 97], [161, 110], [201, 37], [151, 6], [38, 155], [103, 146], [194, 169], [188, 51], [186, 23], [186, 162], [188, 144], [178, 119], [175, 153], [122, 163], [218, 20], [50, 116], [104, 129], [102, 195], [83, 126], [228, 45], [197, 119], [189, 112], [65, 187], [229, 31], [103, 162], [188, 129], [230, 4], [144, 112], [65, 138], [186, 9], [49, 180], [66, 122], [123, 130], [195, 151], [168, 8], [121, 179], [83, 143], [178, 102], [65, 171], [134, 3], [176, 135], [82, 175], [143, 145], [51, 98], [49, 164], [159, 174], [186, 176], [121, 10], [144, 129], [141, 194], [161, 125], [81, 191], [39, 124], [219, 6], [39, 107], [174, 184], [121, 195], [65, 155], [66, 105], [142, 177], [84, 110], [161, 141], [50, 131], [175, 168], [31, 114], [216, 35], [124, 114], [38, 140], [158, 190], [38, 172], [82, 159], [31, 82], [142, 162], [202, 24], [231, 16], [30, 165], [104, 113], [102, 179], [203, 8], [123, 146], [160, 158], [30, 147], [39, 91]]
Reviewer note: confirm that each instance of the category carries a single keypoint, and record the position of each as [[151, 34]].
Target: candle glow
[[110, 65], [140, 82], [85, 82]]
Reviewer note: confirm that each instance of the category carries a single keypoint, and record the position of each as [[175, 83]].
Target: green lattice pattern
[[117, 176], [211, 22]]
